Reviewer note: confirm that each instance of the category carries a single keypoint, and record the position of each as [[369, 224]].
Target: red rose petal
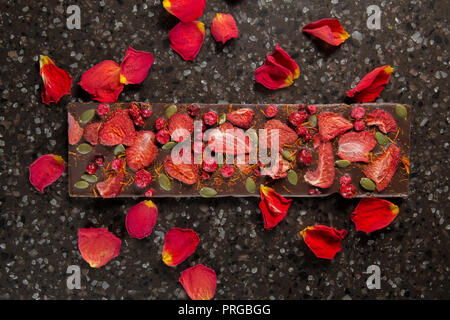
[[200, 282], [332, 124], [98, 246], [328, 30], [383, 168], [178, 245], [185, 10], [223, 27], [111, 187], [57, 82], [323, 176], [102, 81], [141, 219], [273, 207], [355, 146], [135, 65], [46, 170], [373, 214], [383, 120], [186, 38], [75, 131], [323, 241], [370, 87]]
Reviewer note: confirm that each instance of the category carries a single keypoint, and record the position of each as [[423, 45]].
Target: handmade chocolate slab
[[235, 185]]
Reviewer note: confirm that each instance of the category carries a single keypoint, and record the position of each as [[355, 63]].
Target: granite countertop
[[38, 233]]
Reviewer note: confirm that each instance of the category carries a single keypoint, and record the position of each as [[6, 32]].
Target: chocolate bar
[[386, 127]]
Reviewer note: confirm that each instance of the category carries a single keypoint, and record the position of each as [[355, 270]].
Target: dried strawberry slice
[[383, 120], [383, 168], [91, 133], [241, 118], [184, 172], [118, 128], [277, 171], [111, 188], [75, 130], [286, 135], [230, 140], [355, 146], [323, 176], [143, 152], [332, 124], [179, 123]]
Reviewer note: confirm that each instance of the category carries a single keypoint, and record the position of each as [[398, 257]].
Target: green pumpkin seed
[[287, 155], [401, 111], [84, 148], [222, 118], [92, 178], [207, 192], [169, 145], [164, 182], [381, 139], [342, 163], [87, 116], [292, 177], [250, 185], [313, 121], [119, 149], [170, 111], [81, 185], [367, 184]]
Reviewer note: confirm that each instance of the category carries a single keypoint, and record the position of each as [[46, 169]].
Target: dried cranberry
[[209, 165], [117, 164], [205, 175], [146, 112], [301, 107], [271, 111], [307, 136], [345, 180], [301, 131], [359, 125], [210, 118], [193, 110], [91, 168], [312, 108], [227, 170], [160, 123], [135, 112], [163, 136], [139, 121], [142, 178], [358, 113], [103, 109], [296, 118], [149, 193], [304, 156], [314, 191], [347, 191], [99, 160]]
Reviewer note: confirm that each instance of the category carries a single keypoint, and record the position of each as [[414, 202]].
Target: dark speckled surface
[[38, 233]]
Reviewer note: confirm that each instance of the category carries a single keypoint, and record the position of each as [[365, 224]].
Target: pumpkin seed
[[119, 149], [169, 145], [164, 182], [92, 178], [81, 184], [84, 148], [207, 192], [313, 121], [87, 116], [381, 139], [222, 118], [170, 111], [342, 163], [292, 177], [401, 111], [250, 185], [287, 155], [367, 184]]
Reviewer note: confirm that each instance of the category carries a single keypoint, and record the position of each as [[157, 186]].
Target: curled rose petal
[[273, 206], [328, 30], [178, 245], [200, 282], [57, 82], [370, 87], [102, 81], [185, 10], [75, 131], [135, 65], [98, 246], [278, 71], [373, 214], [46, 170], [141, 219], [323, 241], [186, 38], [382, 169], [223, 27]]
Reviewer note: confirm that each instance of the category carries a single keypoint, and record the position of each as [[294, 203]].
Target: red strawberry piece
[[149, 193], [91, 168], [345, 180], [205, 175], [332, 124], [99, 160], [304, 156], [103, 109], [312, 109], [271, 111], [117, 164], [111, 188], [230, 140], [75, 130], [358, 113], [359, 125], [163, 136], [142, 178], [184, 172], [286, 136], [383, 120], [210, 118], [347, 191], [383, 168], [139, 121], [209, 165], [146, 110], [355, 146], [160, 123], [241, 118], [296, 118], [278, 170], [134, 111], [181, 127], [143, 152], [91, 133], [323, 176], [117, 129], [227, 170], [193, 110], [314, 192]]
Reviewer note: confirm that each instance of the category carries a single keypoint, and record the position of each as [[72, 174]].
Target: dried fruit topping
[[134, 110], [347, 191], [186, 38], [328, 30], [141, 219], [304, 156], [359, 125], [205, 175], [103, 109], [296, 118], [304, 133], [143, 152], [179, 244], [98, 246], [230, 140], [99, 160], [91, 133], [383, 120], [286, 135], [273, 206], [209, 165], [149, 193], [139, 121], [135, 65], [278, 170], [383, 168], [210, 118], [75, 130], [184, 172], [185, 10], [45, 170], [57, 82], [181, 127], [370, 87], [241, 118], [358, 113], [312, 108], [373, 214], [193, 110], [314, 192], [323, 241], [117, 129], [332, 124], [323, 176], [91, 168], [223, 27], [278, 71], [146, 111], [200, 282], [110, 188], [117, 164], [271, 111], [160, 123], [142, 178], [355, 146], [162, 136], [345, 180]]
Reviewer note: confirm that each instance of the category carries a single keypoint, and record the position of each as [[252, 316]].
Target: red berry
[[99, 160], [160, 123], [307, 137], [209, 165], [142, 178], [301, 107], [146, 111], [91, 168], [102, 109], [210, 118], [134, 110], [347, 191], [139, 121], [358, 113], [296, 118], [345, 180], [227, 170], [301, 131], [117, 164], [193, 110], [314, 191], [359, 125], [304, 156], [312, 108], [205, 175], [271, 111], [149, 193], [163, 136]]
